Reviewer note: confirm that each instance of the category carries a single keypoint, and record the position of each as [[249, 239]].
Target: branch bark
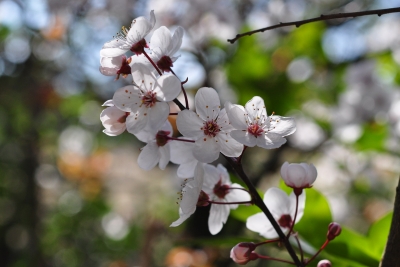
[[391, 255], [378, 12]]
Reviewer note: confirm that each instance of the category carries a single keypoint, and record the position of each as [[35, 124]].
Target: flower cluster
[[143, 109]]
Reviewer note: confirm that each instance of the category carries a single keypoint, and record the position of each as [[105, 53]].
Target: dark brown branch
[[391, 256], [378, 12]]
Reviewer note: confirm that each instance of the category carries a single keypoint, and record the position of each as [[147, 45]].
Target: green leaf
[[373, 137], [243, 212], [378, 233]]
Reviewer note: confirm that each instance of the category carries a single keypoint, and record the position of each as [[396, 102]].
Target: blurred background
[[73, 196]]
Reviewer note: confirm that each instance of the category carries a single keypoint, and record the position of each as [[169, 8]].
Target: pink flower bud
[[298, 176], [334, 230], [324, 263], [242, 253]]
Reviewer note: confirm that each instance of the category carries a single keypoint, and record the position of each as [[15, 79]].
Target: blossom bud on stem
[[334, 230], [324, 263], [242, 253]]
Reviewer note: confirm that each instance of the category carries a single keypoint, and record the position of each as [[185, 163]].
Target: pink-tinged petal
[[108, 103], [127, 98], [229, 146], [207, 150], [186, 170], [256, 108], [112, 62], [158, 114], [176, 42], [136, 122], [243, 137], [114, 131], [169, 87], [162, 39], [297, 175], [113, 52], [270, 140], [164, 156], [143, 77], [237, 116], [207, 103], [189, 124], [217, 218], [149, 156], [283, 126], [181, 152]]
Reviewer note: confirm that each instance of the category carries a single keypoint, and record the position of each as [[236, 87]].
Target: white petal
[[217, 218], [143, 77], [229, 146], [112, 62], [186, 170], [176, 41], [158, 114], [236, 195], [282, 125], [182, 218], [113, 52], [169, 87], [162, 39], [270, 140], [211, 178], [165, 155], [189, 124], [149, 156], [256, 108], [206, 150], [108, 103], [243, 137], [181, 152], [258, 223], [223, 121], [237, 116], [127, 98], [207, 103], [277, 202], [136, 122], [140, 27]]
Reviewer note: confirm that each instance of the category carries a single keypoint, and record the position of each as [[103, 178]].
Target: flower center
[[125, 68], [149, 99], [138, 48], [285, 221], [255, 130], [203, 199], [165, 63], [221, 190], [162, 138], [211, 128]]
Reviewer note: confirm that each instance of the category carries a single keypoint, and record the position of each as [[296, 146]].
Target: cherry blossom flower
[[298, 176], [157, 149], [242, 253], [113, 119], [119, 65], [217, 185], [255, 128], [189, 195], [164, 46], [130, 39], [147, 99], [182, 154], [282, 207], [210, 127]]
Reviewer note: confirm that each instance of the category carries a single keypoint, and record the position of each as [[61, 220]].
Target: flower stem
[[319, 251], [268, 241], [180, 139], [183, 90], [274, 259], [295, 216], [152, 62], [258, 201]]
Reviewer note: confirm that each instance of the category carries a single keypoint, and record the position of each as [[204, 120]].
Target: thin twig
[[378, 12]]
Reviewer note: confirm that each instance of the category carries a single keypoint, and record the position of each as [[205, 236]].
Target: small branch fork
[[378, 12]]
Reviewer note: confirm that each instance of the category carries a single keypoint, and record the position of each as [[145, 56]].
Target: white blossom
[[157, 150], [217, 185], [111, 66], [298, 176], [189, 195], [113, 119], [282, 208], [147, 99], [131, 39], [255, 128], [164, 47], [210, 127], [182, 154]]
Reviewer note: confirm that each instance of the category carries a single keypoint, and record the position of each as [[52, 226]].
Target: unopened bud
[[334, 230], [242, 253], [324, 263]]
